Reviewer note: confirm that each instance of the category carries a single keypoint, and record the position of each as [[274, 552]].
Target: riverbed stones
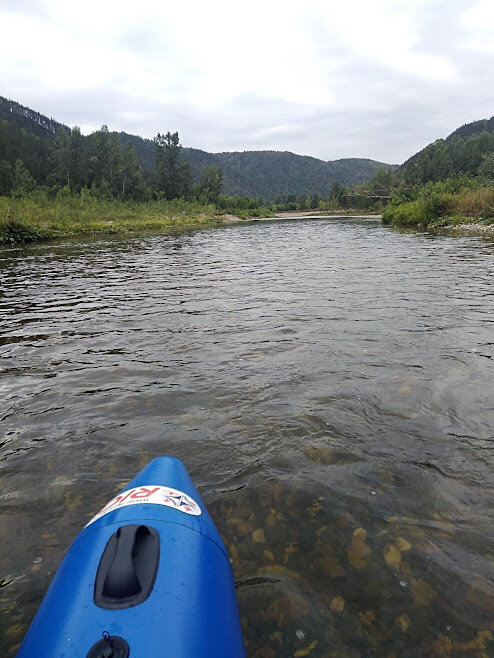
[[337, 604], [358, 550], [422, 592], [403, 622], [329, 566], [258, 536]]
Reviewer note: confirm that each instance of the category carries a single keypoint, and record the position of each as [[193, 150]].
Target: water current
[[329, 386]]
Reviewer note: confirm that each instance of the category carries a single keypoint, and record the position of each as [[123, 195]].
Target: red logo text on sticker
[[154, 495]]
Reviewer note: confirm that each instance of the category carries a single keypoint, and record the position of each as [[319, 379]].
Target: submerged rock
[[358, 550], [277, 570], [337, 604], [258, 536], [329, 566]]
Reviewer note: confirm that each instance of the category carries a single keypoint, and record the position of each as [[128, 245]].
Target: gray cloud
[[374, 109]]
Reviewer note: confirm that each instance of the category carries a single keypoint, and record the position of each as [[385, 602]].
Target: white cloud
[[329, 79], [479, 20]]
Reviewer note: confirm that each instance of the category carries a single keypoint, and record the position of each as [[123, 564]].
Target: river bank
[[466, 226], [453, 206], [37, 218]]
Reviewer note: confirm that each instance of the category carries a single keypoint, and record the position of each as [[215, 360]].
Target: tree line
[[107, 166], [40, 153], [101, 163], [28, 135]]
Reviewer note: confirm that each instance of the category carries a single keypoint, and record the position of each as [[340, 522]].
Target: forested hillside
[[267, 174], [33, 122], [463, 151], [270, 174], [449, 182], [30, 136]]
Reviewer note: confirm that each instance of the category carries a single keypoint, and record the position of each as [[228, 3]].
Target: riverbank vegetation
[[457, 200], [36, 216], [54, 181], [93, 185], [449, 183]]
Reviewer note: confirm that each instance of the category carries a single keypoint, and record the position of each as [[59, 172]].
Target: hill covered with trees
[[32, 137], [450, 181], [270, 174], [464, 151]]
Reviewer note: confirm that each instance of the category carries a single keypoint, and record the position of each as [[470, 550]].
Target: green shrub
[[15, 231], [412, 213]]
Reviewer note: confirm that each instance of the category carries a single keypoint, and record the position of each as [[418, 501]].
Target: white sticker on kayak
[[155, 495]]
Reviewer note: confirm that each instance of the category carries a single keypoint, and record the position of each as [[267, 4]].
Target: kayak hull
[[191, 610]]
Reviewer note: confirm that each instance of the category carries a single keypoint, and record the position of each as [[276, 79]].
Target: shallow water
[[329, 385]]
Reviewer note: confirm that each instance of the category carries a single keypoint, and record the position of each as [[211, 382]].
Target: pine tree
[[61, 157], [173, 175]]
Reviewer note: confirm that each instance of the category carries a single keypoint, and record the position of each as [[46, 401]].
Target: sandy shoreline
[[322, 213], [233, 219]]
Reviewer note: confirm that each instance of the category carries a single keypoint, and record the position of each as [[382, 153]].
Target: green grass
[[38, 217]]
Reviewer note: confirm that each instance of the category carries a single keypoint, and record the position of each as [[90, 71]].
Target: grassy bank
[[38, 217], [449, 203]]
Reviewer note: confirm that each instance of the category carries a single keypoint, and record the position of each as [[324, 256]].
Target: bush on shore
[[446, 202]]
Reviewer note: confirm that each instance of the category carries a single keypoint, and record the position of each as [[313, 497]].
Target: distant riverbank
[[456, 225], [343, 212], [37, 218]]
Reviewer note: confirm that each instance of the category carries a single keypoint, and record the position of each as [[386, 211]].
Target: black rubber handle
[[121, 581], [128, 567]]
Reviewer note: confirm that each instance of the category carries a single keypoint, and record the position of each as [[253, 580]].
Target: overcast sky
[[353, 78]]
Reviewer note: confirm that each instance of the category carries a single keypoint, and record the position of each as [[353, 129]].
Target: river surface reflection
[[329, 386]]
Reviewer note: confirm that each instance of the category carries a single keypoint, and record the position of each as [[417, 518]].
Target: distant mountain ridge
[[265, 174]]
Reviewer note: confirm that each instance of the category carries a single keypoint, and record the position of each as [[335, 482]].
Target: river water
[[329, 386]]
